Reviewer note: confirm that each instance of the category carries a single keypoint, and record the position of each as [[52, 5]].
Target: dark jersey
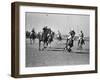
[[72, 33]]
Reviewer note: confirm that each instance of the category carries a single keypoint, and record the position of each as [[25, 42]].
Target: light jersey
[[69, 36], [31, 33], [81, 36]]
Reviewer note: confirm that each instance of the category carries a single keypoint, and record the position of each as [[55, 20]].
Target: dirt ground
[[56, 55]]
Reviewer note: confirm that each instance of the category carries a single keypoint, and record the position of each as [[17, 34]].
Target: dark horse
[[70, 41], [32, 36], [69, 44], [46, 37]]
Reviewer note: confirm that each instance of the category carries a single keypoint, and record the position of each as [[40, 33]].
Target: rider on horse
[[71, 36], [32, 33], [69, 41], [45, 31], [32, 36], [81, 37], [46, 37], [59, 35], [72, 33]]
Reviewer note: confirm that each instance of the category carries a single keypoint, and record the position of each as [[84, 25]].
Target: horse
[[27, 34], [81, 42], [50, 37], [32, 37], [70, 41], [42, 38], [59, 35], [69, 44], [45, 37]]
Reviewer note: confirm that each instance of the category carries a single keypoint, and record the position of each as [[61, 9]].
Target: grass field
[[56, 56]]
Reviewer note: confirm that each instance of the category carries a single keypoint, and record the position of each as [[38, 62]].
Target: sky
[[62, 22]]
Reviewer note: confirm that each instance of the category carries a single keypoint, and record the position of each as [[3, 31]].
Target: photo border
[[15, 32]]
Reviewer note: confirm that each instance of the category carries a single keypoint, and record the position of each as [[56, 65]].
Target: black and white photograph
[[52, 39], [57, 39]]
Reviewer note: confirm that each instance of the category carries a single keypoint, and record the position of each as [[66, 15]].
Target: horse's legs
[[33, 41], [80, 45], [66, 44], [30, 41], [39, 45], [50, 44], [78, 42], [45, 44]]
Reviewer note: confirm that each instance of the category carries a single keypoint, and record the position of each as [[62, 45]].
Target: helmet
[[72, 29]]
